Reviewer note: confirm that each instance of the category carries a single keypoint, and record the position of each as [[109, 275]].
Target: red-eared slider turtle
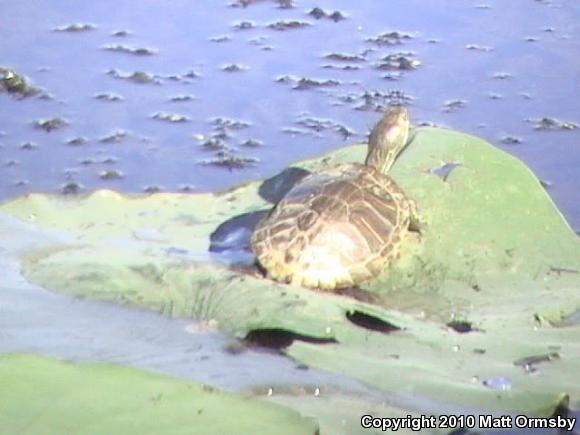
[[343, 225]]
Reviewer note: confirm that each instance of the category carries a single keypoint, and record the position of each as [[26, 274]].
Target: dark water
[[489, 68]]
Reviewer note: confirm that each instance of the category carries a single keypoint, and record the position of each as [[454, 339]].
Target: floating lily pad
[[40, 395], [494, 254]]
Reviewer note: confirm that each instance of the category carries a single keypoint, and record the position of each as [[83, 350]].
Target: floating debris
[[109, 97], [244, 25], [108, 160], [234, 67], [137, 51], [28, 146], [111, 174], [259, 41], [69, 173], [452, 105], [319, 124], [531, 39], [71, 188], [139, 77], [11, 163], [390, 38], [511, 140], [152, 189], [191, 74], [529, 363], [552, 124], [220, 38], [399, 61], [342, 67], [282, 4], [495, 96], [170, 117], [337, 16], [51, 124], [288, 25], [307, 82], [343, 131], [252, 143], [221, 133], [482, 6], [16, 84], [115, 137], [294, 131], [77, 141], [477, 47], [315, 124], [319, 13], [214, 144], [502, 76], [186, 188], [344, 57], [227, 160], [75, 28], [121, 33], [228, 123], [378, 101], [182, 98], [286, 4], [92, 161], [241, 3], [393, 76]]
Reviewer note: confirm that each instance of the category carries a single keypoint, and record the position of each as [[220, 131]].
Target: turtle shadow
[[231, 240], [275, 188], [235, 233]]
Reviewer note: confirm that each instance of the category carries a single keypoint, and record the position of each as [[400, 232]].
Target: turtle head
[[388, 138]]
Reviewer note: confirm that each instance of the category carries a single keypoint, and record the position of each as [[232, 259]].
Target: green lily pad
[[44, 396], [338, 414], [479, 314]]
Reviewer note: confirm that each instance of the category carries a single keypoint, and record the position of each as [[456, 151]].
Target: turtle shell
[[336, 228]]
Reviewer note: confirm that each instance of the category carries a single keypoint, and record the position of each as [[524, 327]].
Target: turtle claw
[[416, 223]]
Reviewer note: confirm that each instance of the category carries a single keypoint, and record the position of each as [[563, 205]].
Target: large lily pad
[[43, 396], [479, 314]]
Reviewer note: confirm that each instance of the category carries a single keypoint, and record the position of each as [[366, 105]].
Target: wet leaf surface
[[101, 397], [459, 305]]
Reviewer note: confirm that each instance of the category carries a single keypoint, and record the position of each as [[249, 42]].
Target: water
[[485, 68]]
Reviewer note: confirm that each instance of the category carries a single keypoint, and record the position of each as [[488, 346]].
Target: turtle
[[341, 226]]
